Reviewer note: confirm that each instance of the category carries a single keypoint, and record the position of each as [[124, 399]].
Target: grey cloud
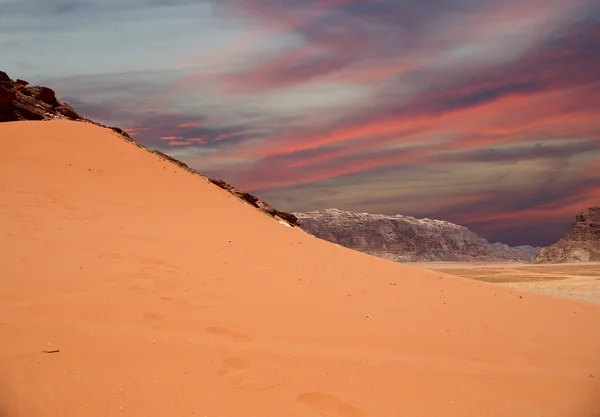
[[517, 153], [549, 195], [10, 8]]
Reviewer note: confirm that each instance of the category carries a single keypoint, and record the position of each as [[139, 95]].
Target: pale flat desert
[[579, 281], [162, 295]]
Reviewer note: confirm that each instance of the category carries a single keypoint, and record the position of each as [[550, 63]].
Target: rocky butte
[[407, 239], [581, 243]]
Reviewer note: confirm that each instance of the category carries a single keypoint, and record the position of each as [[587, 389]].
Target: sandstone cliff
[[581, 243], [407, 239], [19, 101]]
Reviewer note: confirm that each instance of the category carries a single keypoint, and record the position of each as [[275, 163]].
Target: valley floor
[[574, 280]]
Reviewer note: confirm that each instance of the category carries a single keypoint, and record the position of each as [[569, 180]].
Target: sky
[[485, 113]]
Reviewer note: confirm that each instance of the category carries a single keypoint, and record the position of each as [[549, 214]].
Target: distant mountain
[[530, 250], [407, 239], [581, 243]]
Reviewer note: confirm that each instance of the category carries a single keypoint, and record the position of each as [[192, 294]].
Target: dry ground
[[575, 280]]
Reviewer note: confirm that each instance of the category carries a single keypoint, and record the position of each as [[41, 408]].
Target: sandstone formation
[[581, 243], [20, 102], [407, 239]]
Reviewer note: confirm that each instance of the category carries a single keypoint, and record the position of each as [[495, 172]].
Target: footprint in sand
[[220, 331], [234, 369], [178, 302], [159, 321], [154, 316], [328, 403], [138, 289], [235, 364]]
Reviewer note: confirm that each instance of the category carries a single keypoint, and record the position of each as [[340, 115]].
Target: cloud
[[539, 150], [402, 32], [537, 107], [50, 8], [539, 71], [479, 112]]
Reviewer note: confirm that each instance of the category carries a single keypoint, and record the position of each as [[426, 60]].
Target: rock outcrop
[[254, 201], [407, 239], [581, 243], [20, 102]]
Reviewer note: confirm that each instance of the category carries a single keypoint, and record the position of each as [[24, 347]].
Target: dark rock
[[126, 135], [4, 78], [25, 111], [255, 202], [173, 160], [290, 218], [581, 243], [7, 117], [44, 94], [19, 102], [22, 89], [407, 239], [68, 111], [6, 98]]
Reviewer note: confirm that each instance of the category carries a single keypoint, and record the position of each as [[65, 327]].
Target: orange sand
[[121, 261]]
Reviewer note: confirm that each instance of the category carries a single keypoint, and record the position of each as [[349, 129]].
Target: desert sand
[[131, 287], [580, 281]]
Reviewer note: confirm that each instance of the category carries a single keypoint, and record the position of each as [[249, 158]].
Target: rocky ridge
[[407, 239], [19, 101], [581, 243]]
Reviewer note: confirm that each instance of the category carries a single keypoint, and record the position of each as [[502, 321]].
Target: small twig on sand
[[51, 351]]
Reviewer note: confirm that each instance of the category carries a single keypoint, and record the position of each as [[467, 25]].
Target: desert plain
[[132, 287], [579, 281]]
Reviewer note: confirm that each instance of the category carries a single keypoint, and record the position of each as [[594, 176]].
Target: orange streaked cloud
[[191, 124], [482, 113]]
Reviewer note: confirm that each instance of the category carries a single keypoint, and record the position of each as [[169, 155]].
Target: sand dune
[[121, 261]]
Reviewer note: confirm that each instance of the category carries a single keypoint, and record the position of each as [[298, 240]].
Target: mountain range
[[407, 239]]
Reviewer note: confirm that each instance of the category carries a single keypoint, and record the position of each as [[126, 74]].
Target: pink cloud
[[195, 140], [191, 124], [224, 136], [171, 138]]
